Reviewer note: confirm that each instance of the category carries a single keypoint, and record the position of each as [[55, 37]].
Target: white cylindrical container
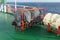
[[27, 16], [54, 18], [4, 8], [36, 13], [0, 7], [47, 18], [18, 23], [57, 23]]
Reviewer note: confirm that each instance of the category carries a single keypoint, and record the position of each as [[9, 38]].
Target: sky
[[34, 0]]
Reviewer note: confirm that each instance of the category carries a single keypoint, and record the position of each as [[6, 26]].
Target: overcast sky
[[34, 0]]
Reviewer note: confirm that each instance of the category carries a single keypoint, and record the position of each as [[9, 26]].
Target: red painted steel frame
[[23, 27], [49, 29]]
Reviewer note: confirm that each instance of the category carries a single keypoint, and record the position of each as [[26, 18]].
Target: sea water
[[50, 7]]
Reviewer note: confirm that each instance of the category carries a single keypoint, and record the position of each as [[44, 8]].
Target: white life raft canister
[[54, 19], [47, 18], [27, 16], [57, 24]]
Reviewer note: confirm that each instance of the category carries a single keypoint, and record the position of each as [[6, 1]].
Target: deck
[[8, 32]]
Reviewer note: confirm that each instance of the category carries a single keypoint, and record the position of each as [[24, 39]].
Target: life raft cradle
[[24, 24], [50, 29]]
